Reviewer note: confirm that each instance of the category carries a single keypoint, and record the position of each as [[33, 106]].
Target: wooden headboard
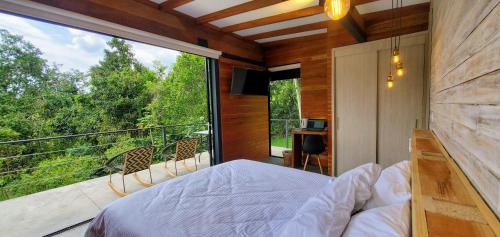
[[444, 203]]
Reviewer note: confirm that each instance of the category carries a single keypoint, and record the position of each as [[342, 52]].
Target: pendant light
[[336, 9], [395, 55], [396, 58], [399, 69], [390, 81]]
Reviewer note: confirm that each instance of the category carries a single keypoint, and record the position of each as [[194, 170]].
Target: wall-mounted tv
[[249, 82]]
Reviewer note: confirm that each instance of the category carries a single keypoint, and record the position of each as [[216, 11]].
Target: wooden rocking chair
[[184, 149], [135, 160]]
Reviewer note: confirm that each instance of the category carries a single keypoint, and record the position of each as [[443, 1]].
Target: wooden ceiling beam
[[148, 3], [274, 19], [235, 10], [292, 30], [409, 24], [354, 24], [171, 4], [361, 2], [140, 16], [387, 14], [292, 40]]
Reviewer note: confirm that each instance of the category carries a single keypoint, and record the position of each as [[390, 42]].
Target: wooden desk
[[298, 138]]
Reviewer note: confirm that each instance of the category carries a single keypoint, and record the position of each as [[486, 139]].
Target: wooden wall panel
[[314, 89], [312, 54], [245, 126], [465, 89]]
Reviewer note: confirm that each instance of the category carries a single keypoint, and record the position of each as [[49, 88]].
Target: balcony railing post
[[286, 133], [164, 136]]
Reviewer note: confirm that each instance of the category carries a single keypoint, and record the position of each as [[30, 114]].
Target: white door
[[356, 109]]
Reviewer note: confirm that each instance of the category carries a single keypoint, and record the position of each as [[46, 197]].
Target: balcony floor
[[49, 211]]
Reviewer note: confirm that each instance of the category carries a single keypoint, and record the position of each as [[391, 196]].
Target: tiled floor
[[46, 212], [278, 151]]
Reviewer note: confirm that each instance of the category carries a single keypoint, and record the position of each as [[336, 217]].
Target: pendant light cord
[[400, 22], [392, 36]]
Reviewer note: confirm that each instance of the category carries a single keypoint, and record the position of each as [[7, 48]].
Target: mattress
[[237, 198]]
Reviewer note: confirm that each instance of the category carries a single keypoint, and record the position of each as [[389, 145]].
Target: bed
[[237, 198], [248, 198]]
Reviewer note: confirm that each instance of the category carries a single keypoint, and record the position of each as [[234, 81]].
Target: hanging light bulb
[[336, 9], [399, 69], [390, 81], [395, 55]]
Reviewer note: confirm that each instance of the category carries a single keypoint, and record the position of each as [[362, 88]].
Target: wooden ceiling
[[247, 29], [269, 22]]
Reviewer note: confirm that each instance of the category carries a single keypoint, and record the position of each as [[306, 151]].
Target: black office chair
[[313, 145]]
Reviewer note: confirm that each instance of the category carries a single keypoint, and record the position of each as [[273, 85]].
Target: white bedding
[[237, 198]]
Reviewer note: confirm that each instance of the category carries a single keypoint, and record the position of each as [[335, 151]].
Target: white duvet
[[238, 198]]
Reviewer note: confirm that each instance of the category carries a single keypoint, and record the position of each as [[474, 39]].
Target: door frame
[[286, 72]]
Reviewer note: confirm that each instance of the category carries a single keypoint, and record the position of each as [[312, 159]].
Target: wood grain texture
[[465, 89], [235, 10], [144, 17], [171, 4], [356, 110], [291, 30], [245, 125], [444, 203], [399, 108], [384, 133], [273, 19]]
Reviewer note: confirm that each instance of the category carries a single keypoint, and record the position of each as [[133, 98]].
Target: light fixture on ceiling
[[395, 56], [336, 9]]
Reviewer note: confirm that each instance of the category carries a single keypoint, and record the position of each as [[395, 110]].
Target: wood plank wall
[[465, 89], [313, 53], [245, 125]]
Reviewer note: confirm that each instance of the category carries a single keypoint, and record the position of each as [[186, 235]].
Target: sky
[[76, 49]]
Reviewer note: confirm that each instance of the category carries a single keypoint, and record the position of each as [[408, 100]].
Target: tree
[[284, 100], [38, 100], [119, 87], [284, 104], [181, 97]]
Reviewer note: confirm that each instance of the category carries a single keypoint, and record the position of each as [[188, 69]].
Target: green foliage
[[180, 97], [53, 173], [284, 100], [123, 143], [38, 100], [284, 105], [119, 87], [281, 141]]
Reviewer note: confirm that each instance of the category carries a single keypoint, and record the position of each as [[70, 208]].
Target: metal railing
[[34, 165], [280, 129]]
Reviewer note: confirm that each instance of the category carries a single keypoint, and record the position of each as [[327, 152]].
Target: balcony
[[59, 198], [50, 211], [280, 135]]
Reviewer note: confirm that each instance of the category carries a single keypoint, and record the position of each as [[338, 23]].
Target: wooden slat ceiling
[[267, 21]]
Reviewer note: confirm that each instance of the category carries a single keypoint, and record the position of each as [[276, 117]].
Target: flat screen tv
[[249, 82]]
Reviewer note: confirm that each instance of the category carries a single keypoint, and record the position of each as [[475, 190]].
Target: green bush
[[53, 173]]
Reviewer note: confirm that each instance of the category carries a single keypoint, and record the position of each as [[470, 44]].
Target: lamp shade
[[336, 9]]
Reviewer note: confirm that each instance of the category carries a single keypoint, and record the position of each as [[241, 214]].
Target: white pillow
[[329, 211], [386, 221], [392, 187]]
